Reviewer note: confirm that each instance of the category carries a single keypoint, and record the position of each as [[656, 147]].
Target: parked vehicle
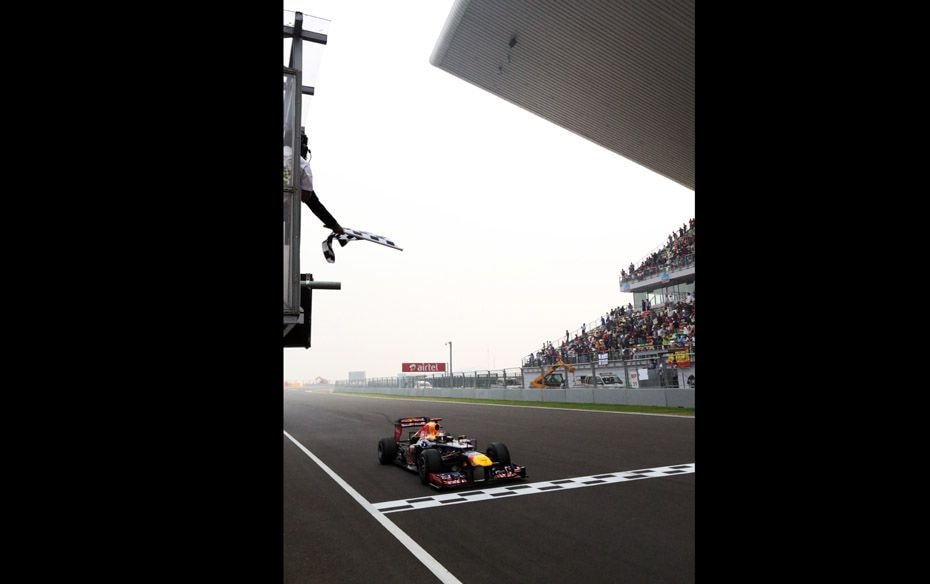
[[613, 380], [607, 380]]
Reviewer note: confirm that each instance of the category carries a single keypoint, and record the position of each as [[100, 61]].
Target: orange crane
[[549, 378]]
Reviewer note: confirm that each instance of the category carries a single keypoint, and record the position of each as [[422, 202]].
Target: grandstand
[[667, 272], [655, 330]]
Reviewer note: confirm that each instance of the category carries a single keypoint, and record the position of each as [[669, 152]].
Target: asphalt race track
[[611, 525]]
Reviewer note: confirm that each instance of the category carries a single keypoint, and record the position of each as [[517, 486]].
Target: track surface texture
[[631, 530]]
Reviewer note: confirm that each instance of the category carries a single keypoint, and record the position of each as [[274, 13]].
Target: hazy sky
[[513, 228]]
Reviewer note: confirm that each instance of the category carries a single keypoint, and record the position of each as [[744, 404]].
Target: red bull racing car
[[444, 461]]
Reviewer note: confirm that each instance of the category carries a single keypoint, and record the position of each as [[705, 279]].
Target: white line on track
[[531, 488], [418, 552]]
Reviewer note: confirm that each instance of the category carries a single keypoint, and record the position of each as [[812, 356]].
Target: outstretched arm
[[312, 201]]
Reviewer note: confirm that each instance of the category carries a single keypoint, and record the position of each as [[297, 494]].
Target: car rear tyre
[[430, 461], [497, 452], [387, 450]]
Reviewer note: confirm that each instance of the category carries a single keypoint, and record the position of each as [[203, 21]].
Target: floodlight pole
[[450, 359]]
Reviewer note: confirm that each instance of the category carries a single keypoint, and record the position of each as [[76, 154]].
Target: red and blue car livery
[[444, 461]]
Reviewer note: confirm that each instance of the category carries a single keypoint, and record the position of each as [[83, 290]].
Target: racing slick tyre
[[387, 450], [497, 452], [430, 461]]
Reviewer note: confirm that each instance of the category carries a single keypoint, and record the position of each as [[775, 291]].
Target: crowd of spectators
[[624, 332], [678, 251], [627, 331]]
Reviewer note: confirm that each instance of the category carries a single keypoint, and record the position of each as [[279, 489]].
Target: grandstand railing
[[633, 354], [678, 263]]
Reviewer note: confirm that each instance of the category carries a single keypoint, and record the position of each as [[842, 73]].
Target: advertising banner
[[422, 367]]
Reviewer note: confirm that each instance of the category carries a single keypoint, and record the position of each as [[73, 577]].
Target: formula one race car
[[443, 461]]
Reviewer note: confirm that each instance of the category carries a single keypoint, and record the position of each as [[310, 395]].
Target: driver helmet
[[428, 430]]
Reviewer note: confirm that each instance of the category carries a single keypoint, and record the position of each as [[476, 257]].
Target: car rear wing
[[409, 422]]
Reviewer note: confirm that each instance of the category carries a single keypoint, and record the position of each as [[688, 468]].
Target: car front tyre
[[430, 461], [498, 452]]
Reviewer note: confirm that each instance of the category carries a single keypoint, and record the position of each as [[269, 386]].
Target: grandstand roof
[[619, 73]]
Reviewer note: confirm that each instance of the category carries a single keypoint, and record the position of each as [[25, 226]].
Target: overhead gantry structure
[[298, 288]]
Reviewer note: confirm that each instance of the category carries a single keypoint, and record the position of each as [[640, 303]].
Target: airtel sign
[[422, 367]]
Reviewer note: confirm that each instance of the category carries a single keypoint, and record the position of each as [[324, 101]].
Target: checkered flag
[[328, 249], [353, 235], [358, 234]]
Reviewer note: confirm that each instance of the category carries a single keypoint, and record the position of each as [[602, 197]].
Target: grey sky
[[513, 228]]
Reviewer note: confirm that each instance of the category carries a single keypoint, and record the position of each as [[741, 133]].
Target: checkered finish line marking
[[531, 488]]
